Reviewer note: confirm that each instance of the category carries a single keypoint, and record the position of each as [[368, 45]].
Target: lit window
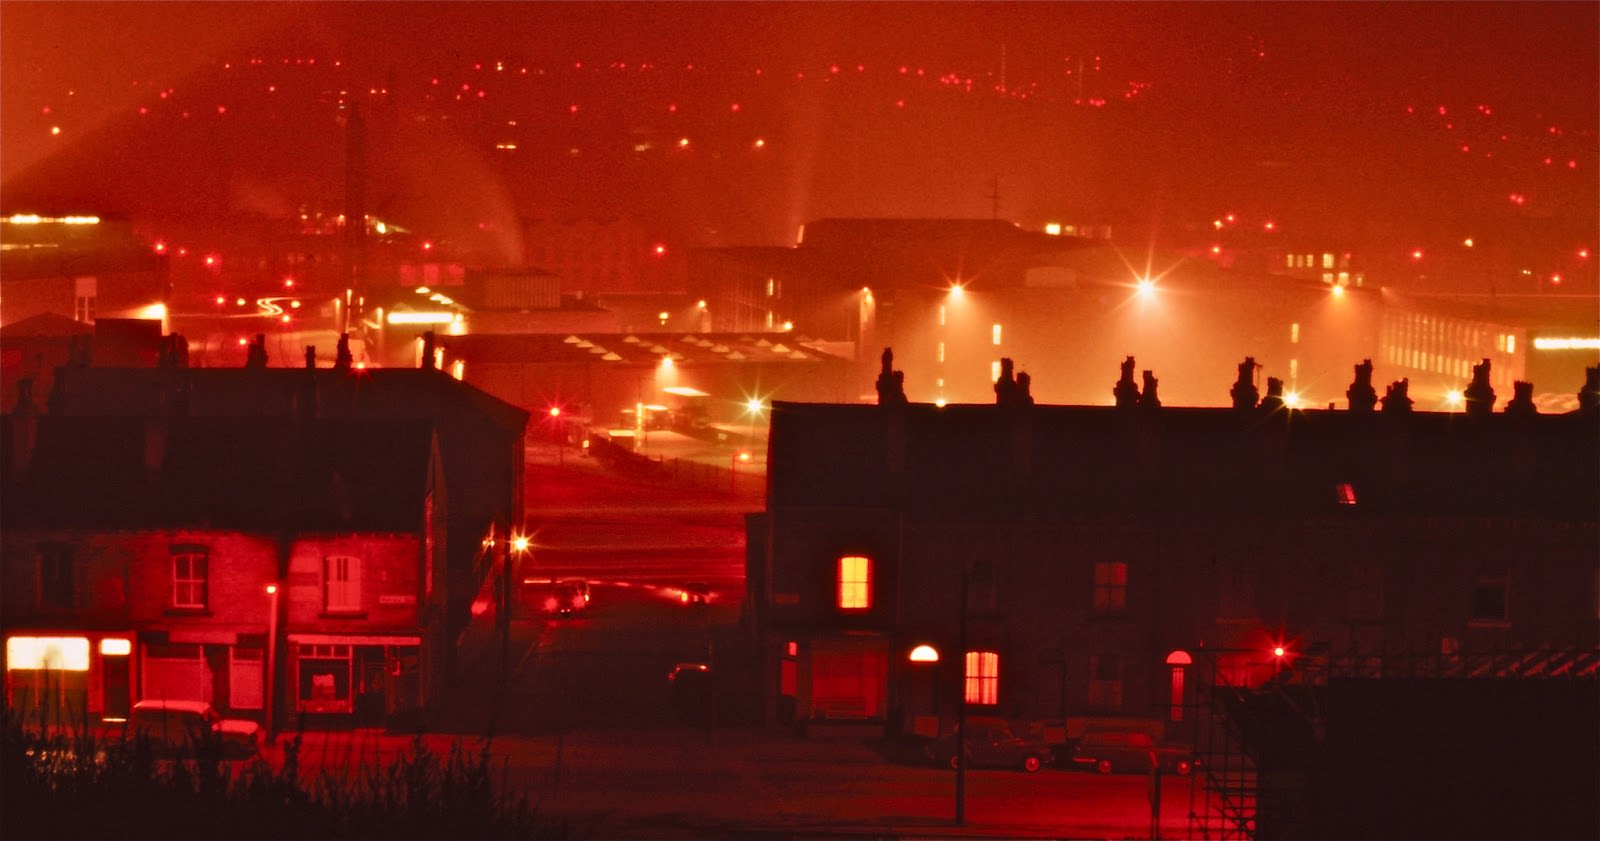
[[855, 582], [1110, 587], [58, 654], [1294, 333], [994, 370], [941, 315], [772, 287], [1347, 493], [983, 677], [941, 352], [994, 335], [1511, 343], [341, 576], [189, 578], [1327, 261]]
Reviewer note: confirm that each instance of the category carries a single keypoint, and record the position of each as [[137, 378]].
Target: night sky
[[1375, 127]]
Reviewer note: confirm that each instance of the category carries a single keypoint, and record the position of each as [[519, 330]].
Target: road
[[586, 722]]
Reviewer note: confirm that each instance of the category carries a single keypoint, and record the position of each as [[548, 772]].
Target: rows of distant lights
[[986, 82], [1449, 121], [467, 91]]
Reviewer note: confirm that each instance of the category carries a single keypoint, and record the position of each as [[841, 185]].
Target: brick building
[[152, 507], [225, 560], [1079, 563]]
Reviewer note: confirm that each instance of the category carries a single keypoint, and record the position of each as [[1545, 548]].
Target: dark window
[[1105, 681], [1489, 601], [1110, 588], [1364, 599], [55, 575], [980, 588]]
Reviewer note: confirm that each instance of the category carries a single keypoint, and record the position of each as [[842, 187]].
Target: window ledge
[[188, 611], [342, 614], [1488, 623]]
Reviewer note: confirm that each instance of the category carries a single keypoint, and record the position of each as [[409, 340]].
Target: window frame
[[980, 685], [1109, 596], [1100, 687], [853, 583], [196, 586], [1479, 620], [349, 585]]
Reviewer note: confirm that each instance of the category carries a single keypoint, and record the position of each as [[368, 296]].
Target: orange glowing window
[[855, 582], [983, 677]]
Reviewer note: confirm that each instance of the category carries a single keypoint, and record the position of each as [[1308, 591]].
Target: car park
[[1130, 751], [185, 728], [991, 742]]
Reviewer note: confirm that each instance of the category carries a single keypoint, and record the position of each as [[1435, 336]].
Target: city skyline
[[1394, 130]]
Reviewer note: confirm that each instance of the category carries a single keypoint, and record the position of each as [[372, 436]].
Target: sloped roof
[[624, 349], [247, 473], [1068, 461], [45, 325]]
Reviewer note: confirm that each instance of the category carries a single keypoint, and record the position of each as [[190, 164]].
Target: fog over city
[[1383, 128], [799, 419]]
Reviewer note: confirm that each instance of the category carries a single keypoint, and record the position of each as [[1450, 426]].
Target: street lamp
[[272, 663], [733, 468], [561, 435], [519, 547], [925, 653]]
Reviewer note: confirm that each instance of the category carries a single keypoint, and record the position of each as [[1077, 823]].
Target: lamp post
[[519, 547], [733, 468], [925, 653], [272, 663], [561, 436], [961, 709]]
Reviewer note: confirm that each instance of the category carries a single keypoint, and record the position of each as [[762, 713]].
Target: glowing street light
[[1147, 288]]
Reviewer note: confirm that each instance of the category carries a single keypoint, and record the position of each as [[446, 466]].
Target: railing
[[1234, 797]]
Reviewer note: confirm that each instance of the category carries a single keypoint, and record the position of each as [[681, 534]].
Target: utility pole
[[961, 708]]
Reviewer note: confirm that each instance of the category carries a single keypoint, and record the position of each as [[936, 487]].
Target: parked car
[[1134, 751], [566, 599], [582, 587], [182, 728], [687, 671], [992, 743], [695, 592]]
